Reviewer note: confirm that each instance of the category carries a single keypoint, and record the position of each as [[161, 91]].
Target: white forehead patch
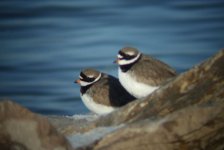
[[119, 56]]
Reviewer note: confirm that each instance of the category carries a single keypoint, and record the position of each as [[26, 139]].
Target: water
[[45, 44]]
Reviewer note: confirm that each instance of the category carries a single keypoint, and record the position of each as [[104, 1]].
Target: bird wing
[[108, 91], [152, 71]]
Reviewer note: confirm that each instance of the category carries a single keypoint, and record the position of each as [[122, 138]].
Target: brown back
[[108, 91], [151, 71]]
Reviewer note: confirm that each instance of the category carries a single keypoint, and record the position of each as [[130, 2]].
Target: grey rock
[[186, 113], [195, 127], [203, 84], [21, 129]]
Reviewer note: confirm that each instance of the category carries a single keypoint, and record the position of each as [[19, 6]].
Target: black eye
[[126, 56], [90, 79], [85, 78]]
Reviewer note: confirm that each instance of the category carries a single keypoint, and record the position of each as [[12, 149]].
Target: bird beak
[[77, 81], [116, 61]]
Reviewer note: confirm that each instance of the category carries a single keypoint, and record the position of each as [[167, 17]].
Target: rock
[[74, 124], [190, 128], [21, 129], [186, 113], [203, 83]]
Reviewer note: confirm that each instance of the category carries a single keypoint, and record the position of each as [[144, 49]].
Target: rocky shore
[[186, 113]]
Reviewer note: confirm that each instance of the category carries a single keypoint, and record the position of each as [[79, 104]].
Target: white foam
[[87, 117], [79, 140]]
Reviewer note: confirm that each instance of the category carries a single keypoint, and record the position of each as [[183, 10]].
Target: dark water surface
[[45, 44]]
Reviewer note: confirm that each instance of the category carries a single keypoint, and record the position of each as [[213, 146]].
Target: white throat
[[83, 83], [135, 88], [126, 62]]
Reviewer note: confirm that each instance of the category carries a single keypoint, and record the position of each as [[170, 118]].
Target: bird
[[141, 74], [101, 93]]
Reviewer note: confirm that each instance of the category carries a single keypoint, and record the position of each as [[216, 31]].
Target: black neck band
[[125, 68], [83, 89], [85, 78]]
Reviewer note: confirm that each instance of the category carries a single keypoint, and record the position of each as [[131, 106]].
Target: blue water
[[45, 44]]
